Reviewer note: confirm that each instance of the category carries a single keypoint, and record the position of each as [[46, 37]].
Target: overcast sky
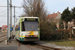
[[50, 5]]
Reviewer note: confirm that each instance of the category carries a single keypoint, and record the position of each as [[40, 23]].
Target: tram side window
[[23, 27]]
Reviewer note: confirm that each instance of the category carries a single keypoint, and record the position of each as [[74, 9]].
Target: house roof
[[52, 16], [4, 26], [0, 27]]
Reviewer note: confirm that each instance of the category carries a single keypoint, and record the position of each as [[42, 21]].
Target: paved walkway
[[3, 46]]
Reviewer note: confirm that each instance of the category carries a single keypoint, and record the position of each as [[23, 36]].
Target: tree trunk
[[70, 35], [66, 25], [74, 22]]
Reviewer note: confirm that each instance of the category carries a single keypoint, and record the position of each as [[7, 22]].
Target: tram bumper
[[31, 39]]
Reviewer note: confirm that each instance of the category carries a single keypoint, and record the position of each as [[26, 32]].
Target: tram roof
[[24, 17]]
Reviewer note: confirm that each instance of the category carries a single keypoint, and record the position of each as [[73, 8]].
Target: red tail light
[[36, 39], [31, 36], [28, 35], [25, 39], [34, 35]]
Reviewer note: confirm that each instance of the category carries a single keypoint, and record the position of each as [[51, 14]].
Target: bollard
[[5, 42]]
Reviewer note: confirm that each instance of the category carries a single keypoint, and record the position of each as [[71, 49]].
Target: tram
[[27, 29]]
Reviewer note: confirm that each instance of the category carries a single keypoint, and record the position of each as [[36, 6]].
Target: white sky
[[50, 5], [58, 5]]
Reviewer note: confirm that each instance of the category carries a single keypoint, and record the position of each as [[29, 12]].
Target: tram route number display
[[31, 19]]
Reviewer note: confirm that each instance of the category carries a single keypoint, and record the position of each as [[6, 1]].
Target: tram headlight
[[26, 36], [36, 35]]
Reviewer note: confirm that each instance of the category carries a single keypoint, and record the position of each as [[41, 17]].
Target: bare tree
[[34, 8]]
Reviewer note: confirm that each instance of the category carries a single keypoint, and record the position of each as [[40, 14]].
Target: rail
[[38, 46], [3, 36], [46, 47]]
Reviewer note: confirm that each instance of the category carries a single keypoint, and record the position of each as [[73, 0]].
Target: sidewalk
[[11, 46], [15, 45]]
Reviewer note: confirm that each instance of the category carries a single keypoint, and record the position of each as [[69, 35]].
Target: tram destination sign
[[30, 19]]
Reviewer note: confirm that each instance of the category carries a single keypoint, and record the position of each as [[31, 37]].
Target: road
[[15, 45]]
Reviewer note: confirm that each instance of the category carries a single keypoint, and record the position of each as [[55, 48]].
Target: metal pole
[[10, 12], [31, 11], [10, 15], [14, 21], [8, 26]]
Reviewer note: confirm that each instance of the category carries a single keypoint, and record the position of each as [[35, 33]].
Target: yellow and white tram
[[27, 29]]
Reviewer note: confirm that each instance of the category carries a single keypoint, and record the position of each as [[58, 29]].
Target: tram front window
[[31, 26]]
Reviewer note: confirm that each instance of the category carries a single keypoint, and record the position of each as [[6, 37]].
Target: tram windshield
[[31, 26]]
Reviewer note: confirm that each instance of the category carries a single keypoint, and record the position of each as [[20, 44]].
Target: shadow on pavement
[[31, 42]]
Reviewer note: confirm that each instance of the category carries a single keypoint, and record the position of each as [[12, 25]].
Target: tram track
[[3, 37], [29, 45], [46, 47], [38, 46]]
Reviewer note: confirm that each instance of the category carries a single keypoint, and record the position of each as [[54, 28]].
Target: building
[[4, 29], [55, 17], [71, 24], [0, 29]]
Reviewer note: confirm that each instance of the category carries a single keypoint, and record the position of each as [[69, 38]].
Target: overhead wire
[[3, 20], [3, 11], [17, 12], [3, 15], [17, 16]]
